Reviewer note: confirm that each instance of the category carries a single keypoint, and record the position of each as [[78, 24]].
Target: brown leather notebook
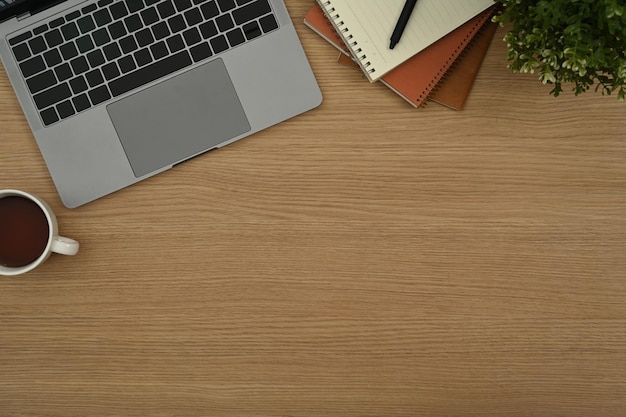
[[454, 89], [416, 78]]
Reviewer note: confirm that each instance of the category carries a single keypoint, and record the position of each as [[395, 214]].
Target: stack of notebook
[[437, 58]]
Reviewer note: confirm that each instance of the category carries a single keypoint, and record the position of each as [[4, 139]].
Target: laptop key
[[160, 30], [126, 64], [32, 66], [102, 17], [117, 30], [52, 96], [86, 24], [81, 102], [166, 9], [176, 23], [74, 15], [192, 36], [40, 29], [88, 9], [128, 44], [209, 10], [70, 31], [68, 50], [200, 52], [112, 51], [65, 109], [134, 5], [235, 37], [101, 36], [110, 71], [63, 72], [159, 50], [208, 29], [226, 5], [175, 43], [219, 44], [84, 44], [49, 116], [79, 65], [143, 57], [52, 57], [144, 37], [268, 23], [78, 84], [41, 81], [99, 95], [37, 45], [150, 73], [252, 30], [21, 52], [94, 78], [95, 58], [20, 38], [251, 11], [54, 38], [224, 22], [118, 10], [56, 22], [193, 17], [182, 5], [133, 23], [149, 16]]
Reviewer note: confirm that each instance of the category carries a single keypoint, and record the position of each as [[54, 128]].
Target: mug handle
[[65, 245]]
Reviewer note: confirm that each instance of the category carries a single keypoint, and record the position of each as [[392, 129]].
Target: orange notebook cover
[[316, 20], [416, 78]]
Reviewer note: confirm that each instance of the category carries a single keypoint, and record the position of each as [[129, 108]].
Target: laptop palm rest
[[180, 117]]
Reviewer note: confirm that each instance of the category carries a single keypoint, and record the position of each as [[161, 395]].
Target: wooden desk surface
[[363, 259]]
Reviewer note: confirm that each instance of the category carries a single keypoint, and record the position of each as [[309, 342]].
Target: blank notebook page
[[366, 25]]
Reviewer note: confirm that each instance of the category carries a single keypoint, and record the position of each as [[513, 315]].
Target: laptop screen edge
[[20, 7]]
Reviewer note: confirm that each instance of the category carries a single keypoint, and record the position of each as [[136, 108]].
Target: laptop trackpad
[[183, 116]]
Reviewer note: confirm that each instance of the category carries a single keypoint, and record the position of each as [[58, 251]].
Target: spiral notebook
[[366, 26], [414, 79]]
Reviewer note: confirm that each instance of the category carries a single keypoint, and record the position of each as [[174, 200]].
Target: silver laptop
[[116, 91]]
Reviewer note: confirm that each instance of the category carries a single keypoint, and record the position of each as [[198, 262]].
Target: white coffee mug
[[55, 243]]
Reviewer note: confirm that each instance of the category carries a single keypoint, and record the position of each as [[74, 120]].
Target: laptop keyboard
[[108, 48]]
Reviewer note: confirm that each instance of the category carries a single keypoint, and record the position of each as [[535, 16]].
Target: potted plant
[[582, 42]]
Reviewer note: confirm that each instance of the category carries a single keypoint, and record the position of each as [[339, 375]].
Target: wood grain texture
[[363, 259]]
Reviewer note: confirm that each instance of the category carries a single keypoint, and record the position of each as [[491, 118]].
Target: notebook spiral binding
[[354, 47]]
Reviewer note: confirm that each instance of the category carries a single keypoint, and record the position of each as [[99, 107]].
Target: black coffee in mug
[[24, 231]]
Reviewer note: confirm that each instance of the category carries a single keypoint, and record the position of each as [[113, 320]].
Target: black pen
[[409, 5]]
